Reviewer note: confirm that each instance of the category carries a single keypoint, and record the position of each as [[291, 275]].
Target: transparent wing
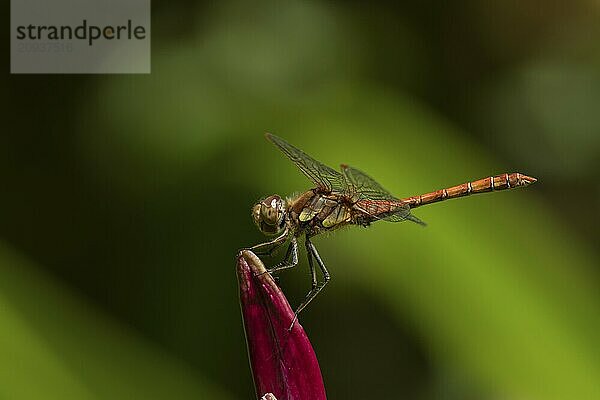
[[324, 177], [365, 186], [403, 215]]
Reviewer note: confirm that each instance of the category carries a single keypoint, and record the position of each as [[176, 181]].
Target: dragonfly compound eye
[[268, 214]]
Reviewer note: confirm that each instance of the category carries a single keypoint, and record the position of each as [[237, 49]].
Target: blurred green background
[[125, 198]]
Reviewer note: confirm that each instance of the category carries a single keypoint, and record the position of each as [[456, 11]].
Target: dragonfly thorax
[[269, 214]]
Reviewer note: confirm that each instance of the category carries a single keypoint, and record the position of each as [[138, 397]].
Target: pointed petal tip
[[253, 261]]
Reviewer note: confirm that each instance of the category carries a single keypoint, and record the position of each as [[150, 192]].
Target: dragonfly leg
[[313, 273], [267, 248], [316, 288], [291, 257]]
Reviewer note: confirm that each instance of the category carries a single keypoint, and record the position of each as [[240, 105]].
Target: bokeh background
[[125, 198]]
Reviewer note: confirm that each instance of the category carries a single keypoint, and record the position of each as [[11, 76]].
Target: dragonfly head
[[268, 215]]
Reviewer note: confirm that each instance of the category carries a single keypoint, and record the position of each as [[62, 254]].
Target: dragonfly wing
[[403, 215], [324, 177], [365, 186]]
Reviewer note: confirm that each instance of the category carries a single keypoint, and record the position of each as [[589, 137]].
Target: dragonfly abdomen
[[498, 182], [373, 210], [374, 207]]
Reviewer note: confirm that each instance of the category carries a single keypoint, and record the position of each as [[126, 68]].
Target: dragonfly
[[342, 198]]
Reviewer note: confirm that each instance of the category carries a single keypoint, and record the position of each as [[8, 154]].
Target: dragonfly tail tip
[[528, 180]]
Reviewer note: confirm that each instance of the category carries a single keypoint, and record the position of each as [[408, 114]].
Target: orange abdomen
[[498, 182]]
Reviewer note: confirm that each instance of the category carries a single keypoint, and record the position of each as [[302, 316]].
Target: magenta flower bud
[[283, 362]]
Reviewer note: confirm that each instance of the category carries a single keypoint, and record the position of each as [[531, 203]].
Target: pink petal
[[283, 362]]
